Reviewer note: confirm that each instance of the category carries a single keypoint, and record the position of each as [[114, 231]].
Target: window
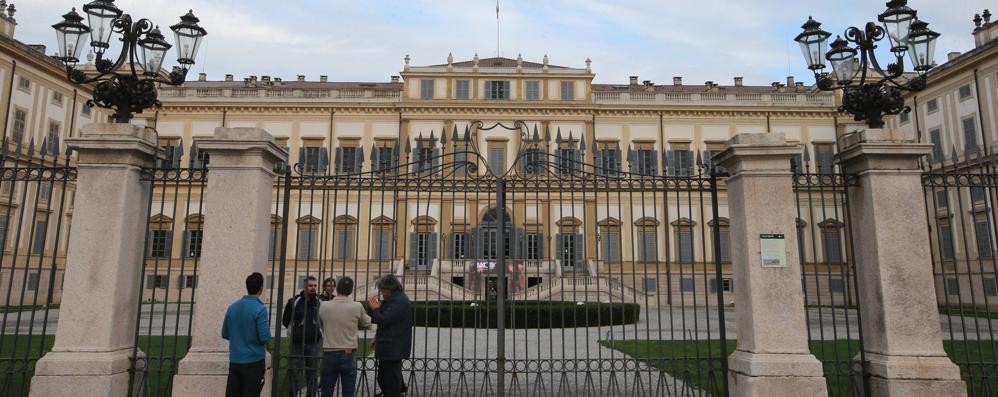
[[425, 89], [427, 158], [607, 160], [650, 284], [497, 160], [33, 281], [832, 242], [942, 200], [20, 123], [308, 238], [44, 192], [154, 281], [52, 138], [727, 285], [645, 162], [568, 90], [684, 239], [192, 243], [570, 249], [978, 194], [679, 162], [160, 242], [345, 232], [199, 158], [4, 223], [970, 134], [825, 156], [797, 164], [686, 284], [315, 159], [533, 90], [23, 83], [836, 285], [188, 281], [422, 244], [463, 90], [385, 158], [990, 287], [965, 91], [952, 286], [932, 105], [274, 239], [57, 99], [937, 145], [610, 239], [534, 250], [982, 232], [903, 117], [568, 161], [497, 89], [6, 188], [349, 160], [38, 245], [647, 246], [461, 160], [532, 162], [459, 245], [946, 240], [724, 244], [382, 245], [87, 109]]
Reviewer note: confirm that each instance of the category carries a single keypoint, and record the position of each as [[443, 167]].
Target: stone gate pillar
[[237, 206], [902, 338], [96, 334], [772, 357]]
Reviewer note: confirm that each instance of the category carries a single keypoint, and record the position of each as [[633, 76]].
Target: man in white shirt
[[340, 319]]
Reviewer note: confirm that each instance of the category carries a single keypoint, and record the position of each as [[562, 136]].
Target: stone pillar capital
[[881, 149], [114, 143], [241, 147], [758, 152]]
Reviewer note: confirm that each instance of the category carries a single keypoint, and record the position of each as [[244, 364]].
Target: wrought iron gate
[[550, 271]]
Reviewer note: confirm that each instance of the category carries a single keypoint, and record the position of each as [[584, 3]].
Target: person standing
[[393, 339], [246, 327], [340, 319], [301, 318], [328, 289]]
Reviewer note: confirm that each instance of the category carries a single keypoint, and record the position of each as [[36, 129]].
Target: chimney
[[739, 81], [323, 78], [7, 21], [395, 79], [252, 79], [790, 81], [647, 83], [953, 55], [800, 87], [37, 47], [634, 80], [265, 78], [301, 77], [202, 77], [678, 80], [228, 77], [277, 80]]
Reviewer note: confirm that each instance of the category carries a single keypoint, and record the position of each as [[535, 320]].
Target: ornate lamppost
[[128, 84], [870, 94]]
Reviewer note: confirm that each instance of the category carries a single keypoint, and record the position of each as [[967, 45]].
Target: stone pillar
[[901, 331], [237, 209], [96, 334], [772, 357]]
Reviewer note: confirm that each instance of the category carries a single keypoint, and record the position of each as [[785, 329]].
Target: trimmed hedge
[[524, 314]]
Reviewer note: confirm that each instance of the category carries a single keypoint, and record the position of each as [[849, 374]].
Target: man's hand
[[374, 302]]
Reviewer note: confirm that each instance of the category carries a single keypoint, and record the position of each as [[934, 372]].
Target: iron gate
[[550, 271]]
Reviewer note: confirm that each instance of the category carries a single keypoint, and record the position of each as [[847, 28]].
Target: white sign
[[774, 250]]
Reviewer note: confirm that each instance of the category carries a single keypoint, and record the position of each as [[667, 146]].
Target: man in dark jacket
[[301, 318], [393, 340]]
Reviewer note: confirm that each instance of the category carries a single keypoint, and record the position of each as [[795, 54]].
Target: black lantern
[[878, 89], [128, 83]]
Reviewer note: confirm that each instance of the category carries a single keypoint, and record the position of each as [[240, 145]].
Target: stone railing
[[278, 93], [715, 98]]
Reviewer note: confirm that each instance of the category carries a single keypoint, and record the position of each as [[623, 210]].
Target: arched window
[[683, 229], [193, 235], [308, 237], [381, 238], [647, 232], [423, 243], [345, 231], [160, 237], [609, 236]]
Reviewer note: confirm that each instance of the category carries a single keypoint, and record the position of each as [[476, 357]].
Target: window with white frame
[[533, 90], [568, 90], [20, 123], [965, 91], [970, 133], [932, 105], [497, 89], [463, 89], [57, 98], [23, 83], [426, 89]]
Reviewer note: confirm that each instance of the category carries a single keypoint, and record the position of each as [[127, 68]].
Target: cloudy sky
[[366, 40]]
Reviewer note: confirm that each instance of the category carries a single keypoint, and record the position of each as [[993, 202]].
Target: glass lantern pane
[[188, 43], [100, 26], [897, 28], [843, 69], [813, 52]]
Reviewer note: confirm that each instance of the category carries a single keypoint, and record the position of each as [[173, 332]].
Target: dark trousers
[[303, 361], [390, 377], [245, 380], [338, 367]]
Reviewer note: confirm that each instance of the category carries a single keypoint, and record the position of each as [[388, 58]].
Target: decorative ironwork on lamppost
[[870, 91], [127, 84]]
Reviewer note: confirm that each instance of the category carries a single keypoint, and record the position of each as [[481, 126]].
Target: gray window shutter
[[358, 165], [178, 152], [488, 89], [461, 159], [560, 247], [413, 249], [169, 244], [451, 252], [435, 160], [323, 159], [580, 252], [519, 244], [654, 162], [272, 243], [649, 251], [180, 281], [301, 157], [668, 163], [149, 239], [616, 162], [431, 249], [598, 161], [338, 167], [185, 248], [712, 285], [725, 246], [150, 281], [192, 160], [540, 246]]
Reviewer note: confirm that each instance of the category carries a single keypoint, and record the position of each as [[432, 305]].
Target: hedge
[[524, 314]]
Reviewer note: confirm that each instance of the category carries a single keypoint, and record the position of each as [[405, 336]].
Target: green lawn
[[690, 360], [162, 355]]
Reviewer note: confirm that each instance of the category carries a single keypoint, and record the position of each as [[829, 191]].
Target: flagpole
[[498, 34]]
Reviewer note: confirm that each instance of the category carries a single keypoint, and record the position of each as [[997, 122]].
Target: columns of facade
[[95, 341], [902, 338], [772, 357], [237, 207]]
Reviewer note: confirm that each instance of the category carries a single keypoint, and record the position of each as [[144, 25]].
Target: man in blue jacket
[[246, 327], [393, 340]]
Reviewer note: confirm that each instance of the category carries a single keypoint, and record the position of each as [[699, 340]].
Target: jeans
[[245, 380], [338, 366], [303, 359]]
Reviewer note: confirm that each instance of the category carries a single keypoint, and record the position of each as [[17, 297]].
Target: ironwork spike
[[537, 137], [467, 134], [630, 155], [807, 155], [453, 135], [44, 150], [977, 155], [956, 155], [699, 160], [443, 137], [69, 151], [547, 134], [582, 142], [557, 138], [31, 148], [419, 143], [360, 154], [408, 147], [374, 155], [570, 137], [432, 137], [17, 147]]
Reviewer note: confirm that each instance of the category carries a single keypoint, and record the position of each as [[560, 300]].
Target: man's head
[[344, 287], [310, 285], [254, 284], [388, 285], [329, 286]]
